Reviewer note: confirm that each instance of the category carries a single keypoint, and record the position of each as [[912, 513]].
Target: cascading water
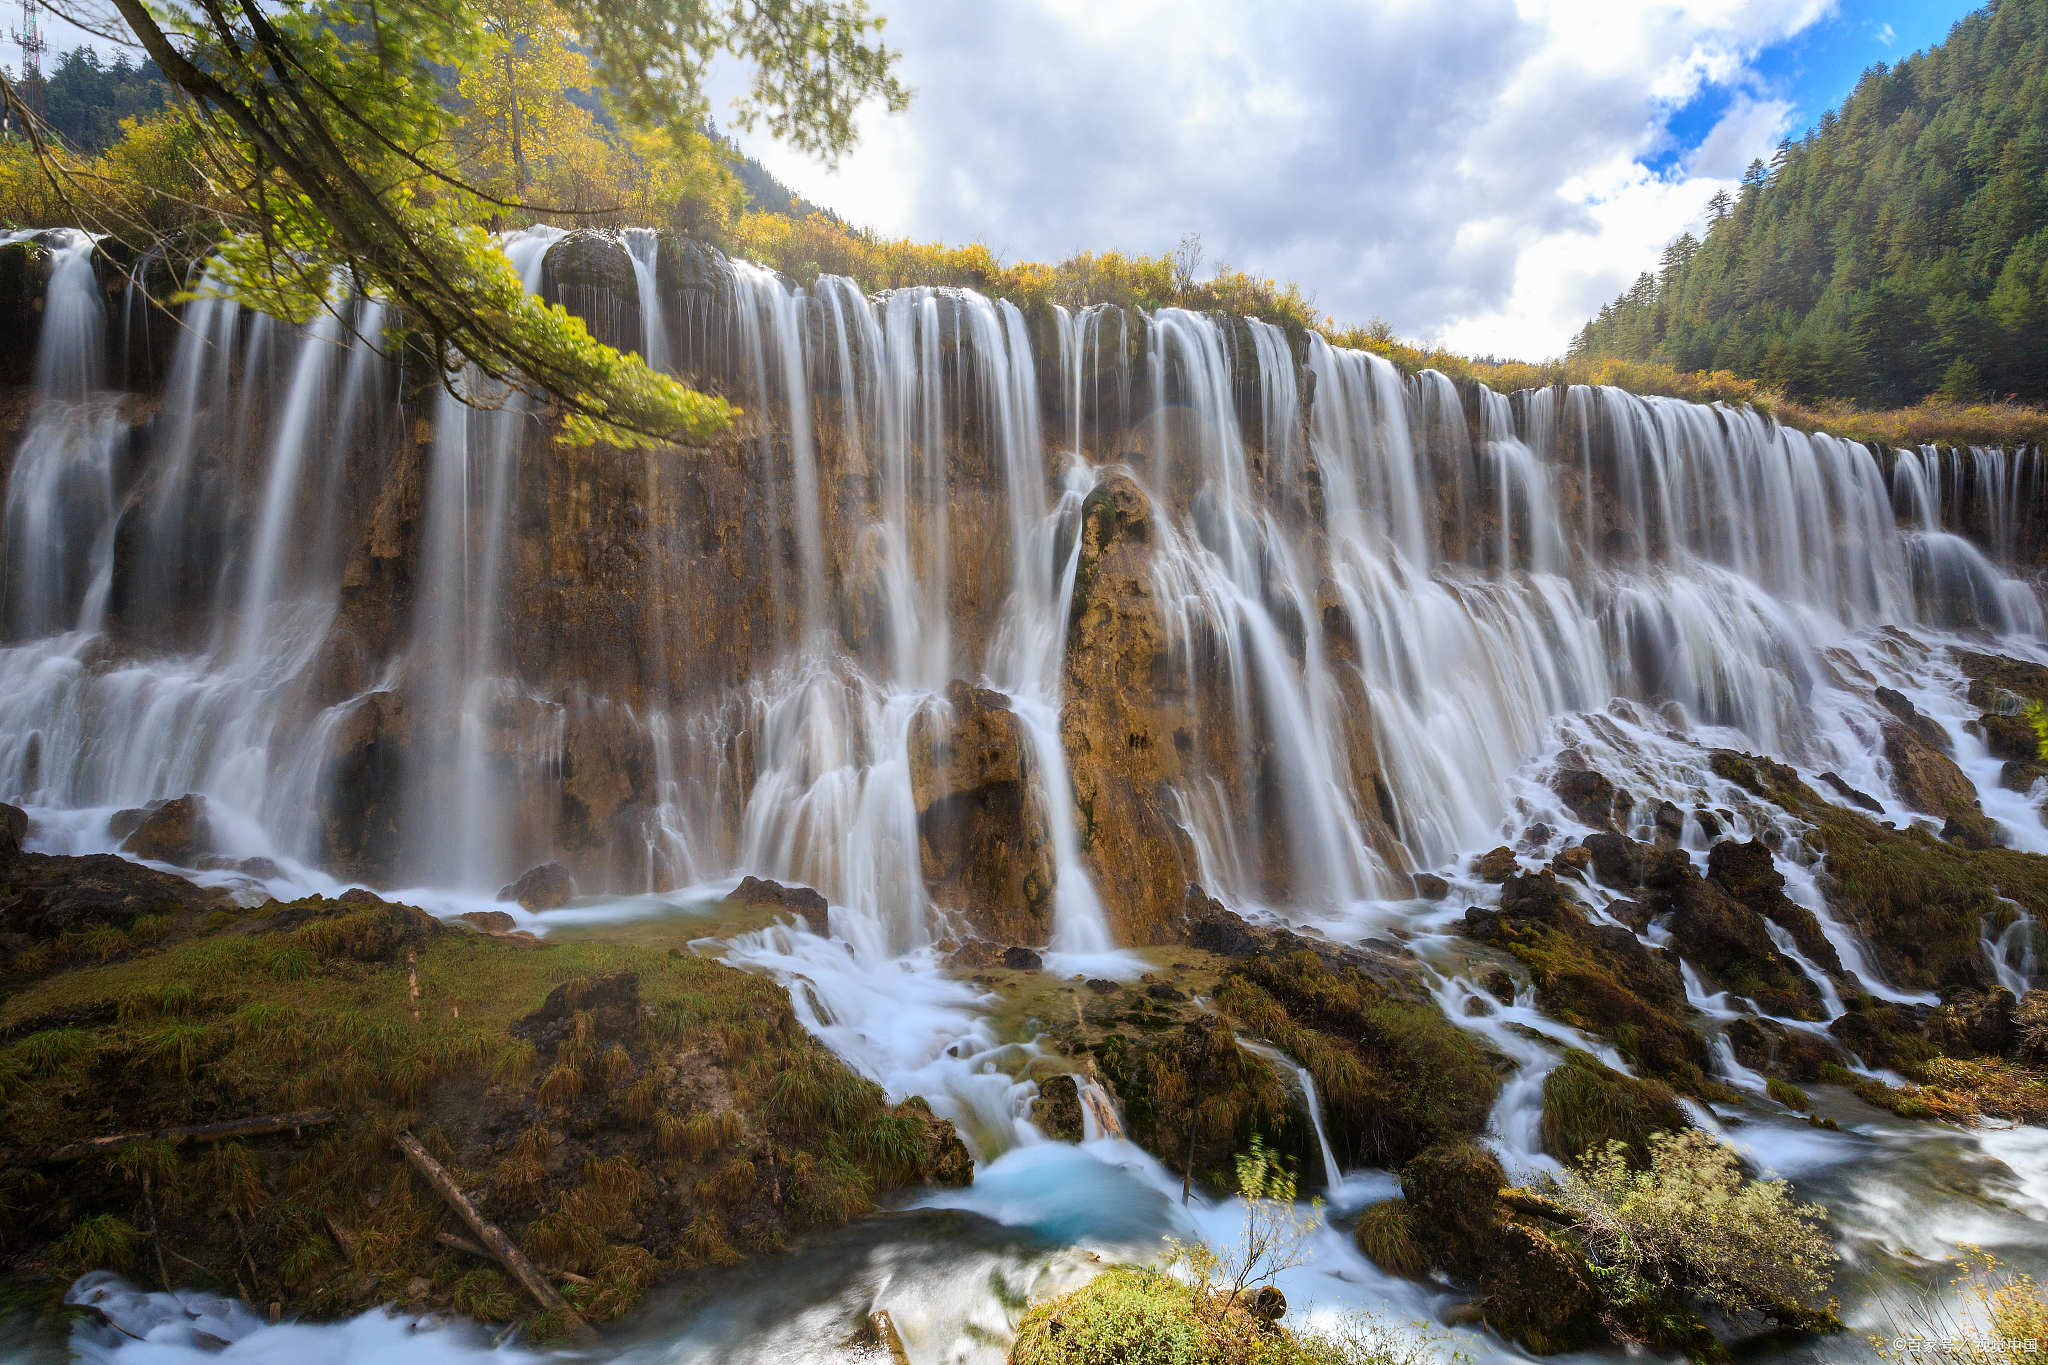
[[1391, 609], [471, 483], [60, 491]]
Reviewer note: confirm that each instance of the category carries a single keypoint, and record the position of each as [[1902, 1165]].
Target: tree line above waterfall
[[1897, 251], [403, 143], [340, 147]]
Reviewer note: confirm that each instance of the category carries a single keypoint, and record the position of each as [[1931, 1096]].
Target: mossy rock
[[1541, 1293], [1387, 1236], [1587, 1104], [1194, 1092], [1393, 1074], [1920, 900], [621, 1112]]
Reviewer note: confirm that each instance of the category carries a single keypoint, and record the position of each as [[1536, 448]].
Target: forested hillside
[[1898, 250]]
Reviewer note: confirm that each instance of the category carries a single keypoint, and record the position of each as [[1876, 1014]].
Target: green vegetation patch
[[620, 1112]]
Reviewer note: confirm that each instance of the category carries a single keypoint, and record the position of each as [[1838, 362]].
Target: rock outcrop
[[547, 887], [175, 832], [981, 832]]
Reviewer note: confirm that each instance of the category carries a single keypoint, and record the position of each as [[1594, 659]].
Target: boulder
[[123, 823], [1057, 1110], [1926, 727], [1430, 887], [44, 896], [490, 921], [756, 891], [1747, 872], [1975, 1023], [547, 887], [1850, 794], [1022, 960], [1769, 1047], [1497, 865], [1617, 860], [1926, 779], [176, 832], [1669, 822], [1591, 797]]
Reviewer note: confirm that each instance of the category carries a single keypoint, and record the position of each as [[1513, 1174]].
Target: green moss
[[1587, 1104], [1386, 1236], [1394, 1075], [1125, 1314], [1787, 1094], [1577, 987], [329, 1219], [1921, 900]]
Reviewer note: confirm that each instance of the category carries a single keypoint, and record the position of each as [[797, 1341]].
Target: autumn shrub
[[1693, 1224]]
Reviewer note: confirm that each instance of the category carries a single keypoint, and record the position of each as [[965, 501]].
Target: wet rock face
[[176, 832], [1123, 726], [361, 834], [981, 833], [1747, 873], [1920, 900], [1591, 797], [1597, 976], [547, 887], [1927, 779], [1766, 1046]]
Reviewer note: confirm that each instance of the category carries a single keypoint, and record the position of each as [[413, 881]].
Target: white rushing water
[[1461, 599]]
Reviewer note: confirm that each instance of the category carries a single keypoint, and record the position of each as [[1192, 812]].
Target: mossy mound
[[1393, 1074], [1920, 900], [1194, 1097], [620, 1112], [1587, 1104], [1537, 1289], [1130, 1315], [1597, 977]]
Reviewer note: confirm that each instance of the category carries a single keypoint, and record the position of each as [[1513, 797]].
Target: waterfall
[[60, 491], [2015, 955], [471, 482], [1387, 603]]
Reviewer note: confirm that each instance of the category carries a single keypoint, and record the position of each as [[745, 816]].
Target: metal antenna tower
[[30, 39]]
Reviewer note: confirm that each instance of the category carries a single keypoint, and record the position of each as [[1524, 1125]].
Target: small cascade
[[643, 248], [59, 515], [1830, 998], [2015, 955], [457, 792]]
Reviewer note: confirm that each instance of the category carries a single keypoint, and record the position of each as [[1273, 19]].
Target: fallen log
[[497, 1242], [249, 1127], [463, 1244]]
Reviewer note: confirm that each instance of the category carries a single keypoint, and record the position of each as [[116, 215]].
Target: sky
[[1482, 174]]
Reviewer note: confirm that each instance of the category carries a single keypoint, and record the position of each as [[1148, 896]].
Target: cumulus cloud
[[1476, 172]]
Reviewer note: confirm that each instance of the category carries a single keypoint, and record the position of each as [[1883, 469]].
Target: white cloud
[[1471, 171], [1886, 35]]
